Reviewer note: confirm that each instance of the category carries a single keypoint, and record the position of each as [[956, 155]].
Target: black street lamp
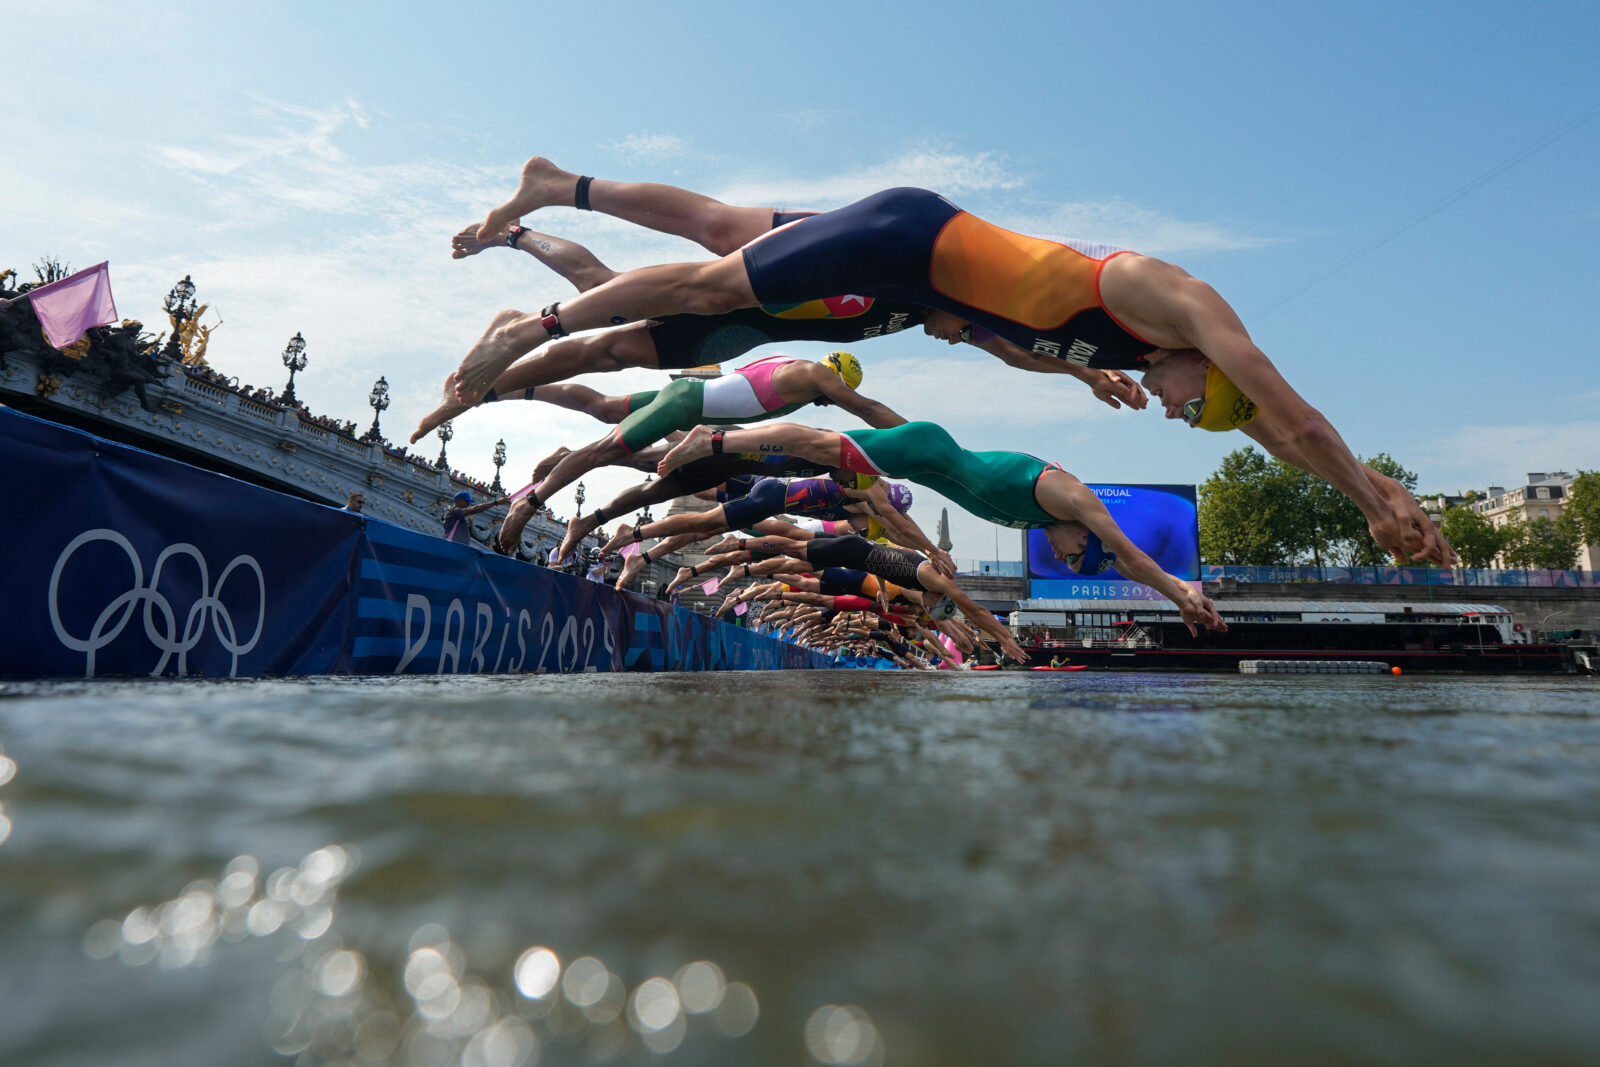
[[579, 497], [294, 357], [379, 399], [446, 431], [180, 309], [499, 461]]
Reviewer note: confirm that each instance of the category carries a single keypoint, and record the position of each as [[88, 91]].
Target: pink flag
[[520, 493], [710, 585], [740, 608], [630, 550], [69, 307]]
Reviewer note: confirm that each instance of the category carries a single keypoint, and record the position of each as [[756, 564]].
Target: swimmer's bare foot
[[542, 469], [630, 570], [696, 445], [543, 185], [623, 536], [466, 242], [730, 543], [577, 530], [510, 334], [683, 575], [449, 409], [517, 519]]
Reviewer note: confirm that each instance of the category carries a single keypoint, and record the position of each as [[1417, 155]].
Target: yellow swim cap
[[846, 366], [866, 481], [1224, 407]]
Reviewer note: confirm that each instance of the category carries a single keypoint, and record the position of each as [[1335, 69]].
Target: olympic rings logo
[[162, 632]]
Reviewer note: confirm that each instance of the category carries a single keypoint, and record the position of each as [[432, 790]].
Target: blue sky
[[308, 163]]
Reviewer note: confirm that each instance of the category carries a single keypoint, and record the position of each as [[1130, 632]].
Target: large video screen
[[1160, 519]]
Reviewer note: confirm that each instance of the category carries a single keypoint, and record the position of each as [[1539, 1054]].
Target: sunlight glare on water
[[844, 869]]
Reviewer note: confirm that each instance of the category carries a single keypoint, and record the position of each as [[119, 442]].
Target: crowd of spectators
[[584, 559], [345, 428]]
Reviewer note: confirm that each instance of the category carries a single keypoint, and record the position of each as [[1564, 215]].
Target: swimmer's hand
[[1421, 539], [943, 563], [1115, 388], [1008, 645], [1199, 610]]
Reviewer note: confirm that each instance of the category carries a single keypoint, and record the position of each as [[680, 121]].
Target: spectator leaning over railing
[[456, 526]]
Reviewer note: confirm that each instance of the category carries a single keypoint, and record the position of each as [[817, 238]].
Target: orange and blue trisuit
[[915, 246]]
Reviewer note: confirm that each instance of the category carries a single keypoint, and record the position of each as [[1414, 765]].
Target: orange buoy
[[1394, 670]]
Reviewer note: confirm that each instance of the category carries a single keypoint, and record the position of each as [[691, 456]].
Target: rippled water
[[851, 867]]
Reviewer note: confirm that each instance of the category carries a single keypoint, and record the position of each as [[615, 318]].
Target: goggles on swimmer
[[1223, 407]]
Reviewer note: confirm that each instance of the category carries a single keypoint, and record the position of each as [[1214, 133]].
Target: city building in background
[[1544, 496]]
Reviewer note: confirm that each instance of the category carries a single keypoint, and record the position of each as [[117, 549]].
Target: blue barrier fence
[[994, 568], [1460, 576], [119, 561]]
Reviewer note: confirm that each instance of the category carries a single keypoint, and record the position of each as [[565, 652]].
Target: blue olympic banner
[[1460, 576], [1161, 519], [122, 562]]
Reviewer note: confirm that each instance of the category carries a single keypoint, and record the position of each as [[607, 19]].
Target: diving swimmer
[[1007, 488], [1088, 304]]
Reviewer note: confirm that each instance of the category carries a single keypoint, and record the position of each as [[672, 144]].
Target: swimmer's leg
[[702, 524], [710, 288], [568, 469], [716, 226], [579, 266], [781, 438], [629, 346], [580, 398]]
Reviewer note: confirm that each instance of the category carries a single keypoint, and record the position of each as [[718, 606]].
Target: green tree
[[1583, 506], [1262, 511], [1542, 544], [1473, 537], [1247, 511]]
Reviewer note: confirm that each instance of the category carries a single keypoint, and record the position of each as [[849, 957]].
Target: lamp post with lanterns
[[294, 357], [446, 431], [379, 399], [578, 496], [499, 461], [180, 309]]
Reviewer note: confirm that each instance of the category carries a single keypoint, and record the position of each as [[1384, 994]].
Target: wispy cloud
[[930, 167], [286, 227], [815, 118], [1116, 221], [648, 147], [1481, 455]]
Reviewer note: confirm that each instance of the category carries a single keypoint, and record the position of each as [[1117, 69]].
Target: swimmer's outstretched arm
[[1063, 496], [1109, 386], [938, 583], [902, 529], [822, 380], [1400, 499], [1184, 312]]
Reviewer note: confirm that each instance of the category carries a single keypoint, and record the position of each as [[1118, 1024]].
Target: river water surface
[[850, 867]]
